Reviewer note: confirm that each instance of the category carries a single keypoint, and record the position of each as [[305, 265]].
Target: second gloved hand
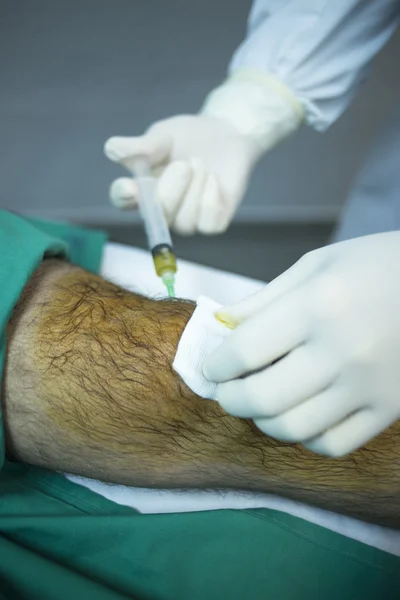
[[203, 162], [332, 324]]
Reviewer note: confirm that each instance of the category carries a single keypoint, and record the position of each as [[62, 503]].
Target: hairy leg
[[89, 389]]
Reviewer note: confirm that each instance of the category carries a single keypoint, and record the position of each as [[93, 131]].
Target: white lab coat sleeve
[[319, 48]]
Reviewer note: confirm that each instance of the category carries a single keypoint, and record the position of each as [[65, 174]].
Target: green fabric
[[61, 541], [85, 247]]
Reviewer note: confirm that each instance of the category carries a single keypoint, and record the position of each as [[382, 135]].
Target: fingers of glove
[[295, 276], [351, 434], [260, 340], [211, 211], [172, 187], [310, 418], [154, 145], [124, 193], [301, 374], [186, 218]]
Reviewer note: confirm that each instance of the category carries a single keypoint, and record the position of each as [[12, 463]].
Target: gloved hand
[[333, 321], [204, 161]]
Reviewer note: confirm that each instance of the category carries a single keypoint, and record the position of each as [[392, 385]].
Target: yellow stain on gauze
[[226, 320]]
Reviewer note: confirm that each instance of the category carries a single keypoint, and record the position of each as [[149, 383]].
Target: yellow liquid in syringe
[[165, 265]]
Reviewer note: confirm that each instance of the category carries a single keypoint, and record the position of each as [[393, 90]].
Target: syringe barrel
[[156, 227], [164, 259]]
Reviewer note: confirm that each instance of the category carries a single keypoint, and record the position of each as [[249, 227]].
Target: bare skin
[[89, 389]]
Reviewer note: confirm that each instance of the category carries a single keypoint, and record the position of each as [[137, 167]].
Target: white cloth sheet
[[133, 269]]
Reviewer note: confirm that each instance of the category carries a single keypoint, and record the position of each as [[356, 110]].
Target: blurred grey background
[[74, 72]]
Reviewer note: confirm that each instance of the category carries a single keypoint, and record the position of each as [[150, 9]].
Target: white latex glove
[[333, 320], [204, 161]]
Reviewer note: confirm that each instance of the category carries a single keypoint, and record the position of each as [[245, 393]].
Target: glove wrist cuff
[[259, 106]]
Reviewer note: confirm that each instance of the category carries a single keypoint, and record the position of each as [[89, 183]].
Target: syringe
[[156, 227]]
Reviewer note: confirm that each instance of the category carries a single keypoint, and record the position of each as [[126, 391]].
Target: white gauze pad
[[201, 336]]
